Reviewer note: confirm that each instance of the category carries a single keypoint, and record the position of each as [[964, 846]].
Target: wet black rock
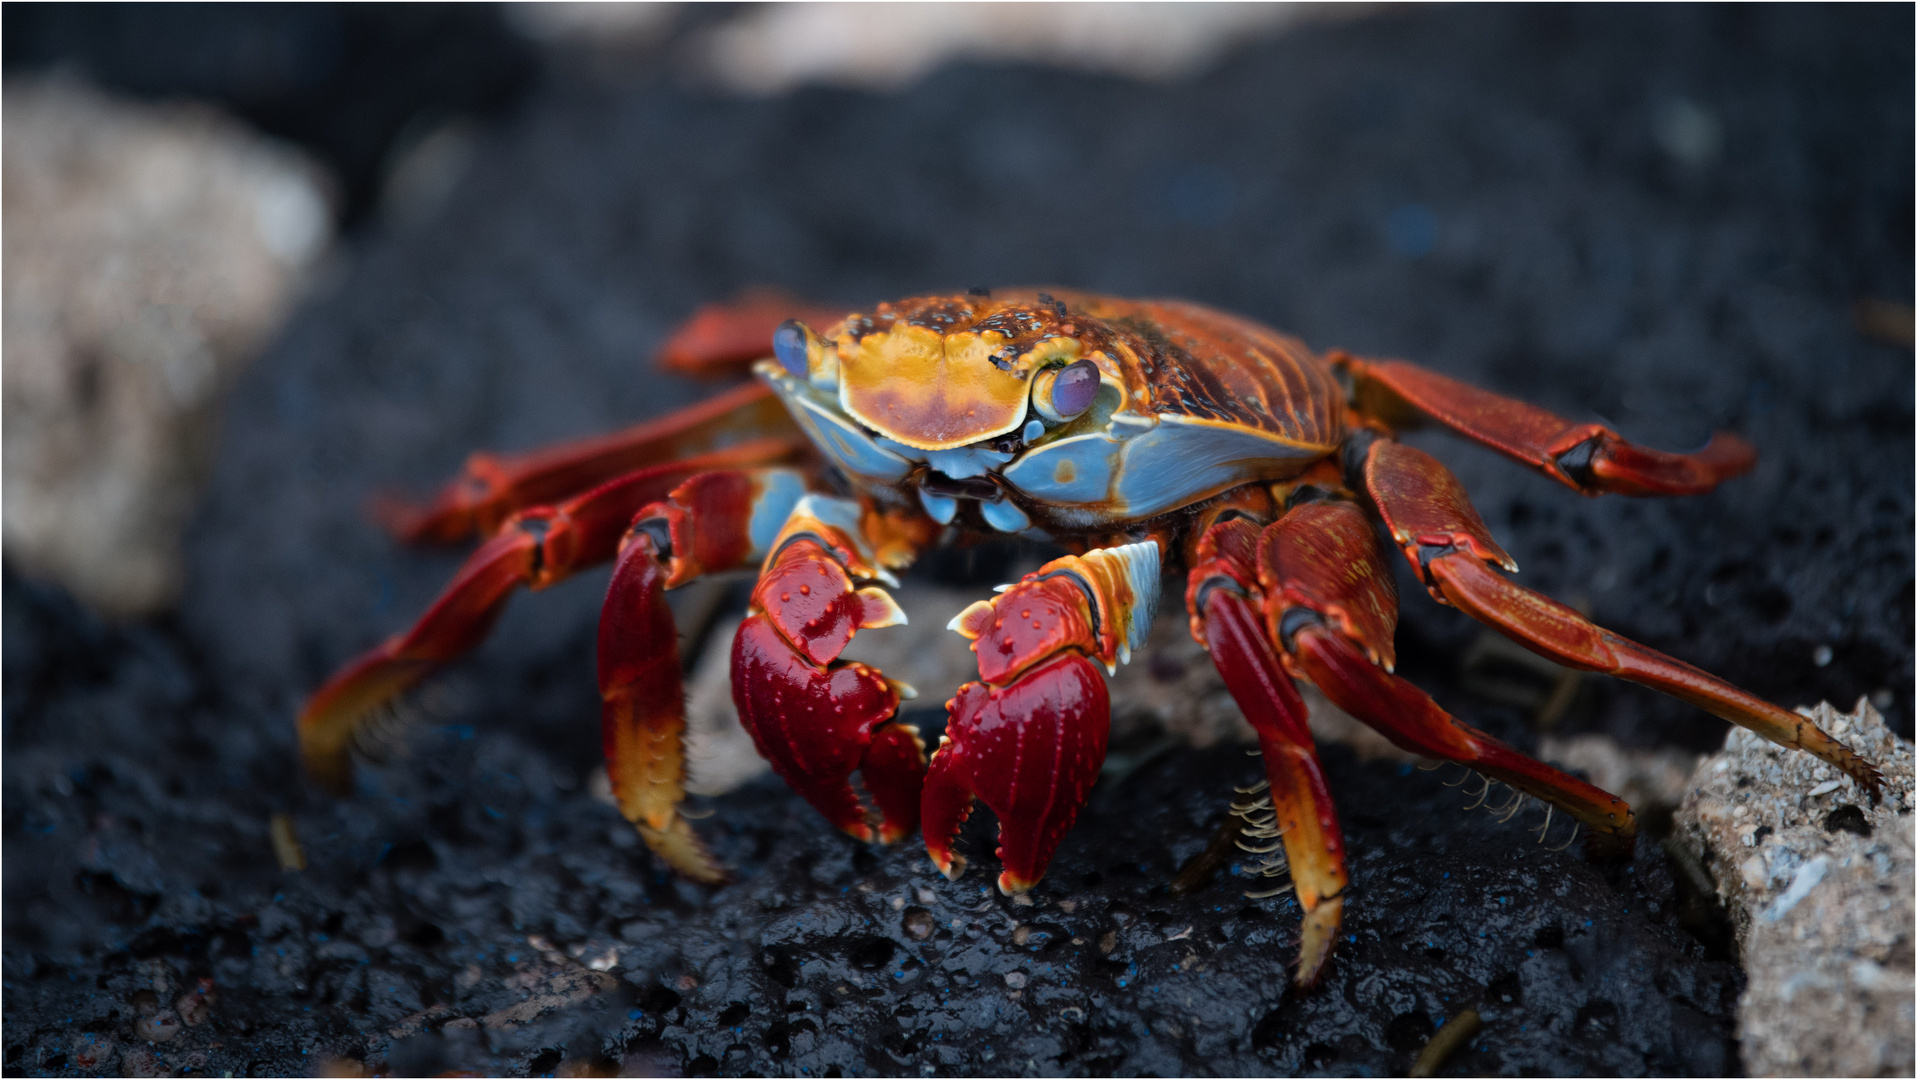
[[1485, 190]]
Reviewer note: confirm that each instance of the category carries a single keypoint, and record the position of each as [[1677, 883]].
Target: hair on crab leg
[[1575, 826], [1544, 830], [1494, 811], [1509, 810]]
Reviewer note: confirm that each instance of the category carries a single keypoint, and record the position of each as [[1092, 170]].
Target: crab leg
[[537, 547], [721, 340], [1029, 736], [713, 522], [1224, 598], [493, 486], [1449, 548], [814, 717], [1330, 602], [1588, 457]]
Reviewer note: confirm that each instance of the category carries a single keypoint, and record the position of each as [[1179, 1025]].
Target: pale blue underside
[[1139, 467], [1167, 466], [957, 463], [781, 492]]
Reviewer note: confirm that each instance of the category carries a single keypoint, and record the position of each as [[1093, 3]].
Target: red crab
[[1143, 435]]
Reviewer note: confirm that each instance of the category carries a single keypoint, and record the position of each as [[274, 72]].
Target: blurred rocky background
[[433, 229], [149, 252]]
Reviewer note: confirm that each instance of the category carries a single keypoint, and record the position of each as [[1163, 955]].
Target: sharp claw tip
[[1012, 885], [1320, 933]]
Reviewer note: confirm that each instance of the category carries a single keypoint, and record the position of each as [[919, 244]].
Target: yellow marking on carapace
[[937, 392]]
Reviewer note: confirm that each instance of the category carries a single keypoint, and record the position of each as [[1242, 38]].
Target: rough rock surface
[[1486, 190], [1818, 881], [474, 908], [149, 251]]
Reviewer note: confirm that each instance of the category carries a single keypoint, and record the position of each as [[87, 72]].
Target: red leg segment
[[1334, 607], [1447, 545], [1224, 597], [722, 340], [1408, 717], [705, 526], [814, 717], [1588, 457], [494, 486], [537, 548], [1029, 736]]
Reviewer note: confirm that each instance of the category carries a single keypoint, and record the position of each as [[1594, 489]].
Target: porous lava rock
[[1818, 879]]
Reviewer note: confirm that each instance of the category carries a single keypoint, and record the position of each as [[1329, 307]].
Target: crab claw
[[814, 717], [1031, 750], [1029, 737]]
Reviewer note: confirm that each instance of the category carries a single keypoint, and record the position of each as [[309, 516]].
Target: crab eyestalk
[[1061, 393], [802, 353]]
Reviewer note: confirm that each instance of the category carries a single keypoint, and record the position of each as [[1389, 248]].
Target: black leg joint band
[[1294, 620], [1352, 455], [660, 532], [1576, 462]]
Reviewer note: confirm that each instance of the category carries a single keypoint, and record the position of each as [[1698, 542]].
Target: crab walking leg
[[713, 522], [1331, 603], [493, 486], [1447, 544], [1224, 599], [814, 717], [538, 547], [1029, 736], [721, 340], [1408, 717], [1588, 457]]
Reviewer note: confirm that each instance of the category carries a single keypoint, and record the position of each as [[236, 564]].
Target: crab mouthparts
[[981, 488]]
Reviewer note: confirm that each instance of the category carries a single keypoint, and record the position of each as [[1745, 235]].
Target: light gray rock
[[1818, 882], [148, 252]]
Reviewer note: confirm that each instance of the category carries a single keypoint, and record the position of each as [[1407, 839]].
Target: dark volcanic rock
[[1484, 190]]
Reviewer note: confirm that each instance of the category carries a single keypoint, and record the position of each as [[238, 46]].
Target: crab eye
[[1063, 393], [789, 345]]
